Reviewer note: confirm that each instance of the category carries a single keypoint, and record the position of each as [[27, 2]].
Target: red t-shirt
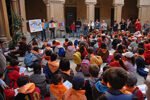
[[115, 64], [73, 27]]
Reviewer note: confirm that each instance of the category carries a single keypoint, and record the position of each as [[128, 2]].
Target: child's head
[[90, 50], [117, 78], [53, 42], [64, 65], [70, 43], [24, 38], [14, 62], [66, 40], [36, 49], [140, 51], [117, 56], [103, 46], [23, 80], [94, 70], [78, 81], [48, 52], [131, 80], [53, 56], [37, 68], [56, 79]]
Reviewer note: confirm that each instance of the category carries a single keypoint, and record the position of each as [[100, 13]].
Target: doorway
[[112, 16], [97, 13], [70, 17]]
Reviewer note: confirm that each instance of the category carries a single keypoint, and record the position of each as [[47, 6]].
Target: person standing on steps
[[78, 27], [52, 29]]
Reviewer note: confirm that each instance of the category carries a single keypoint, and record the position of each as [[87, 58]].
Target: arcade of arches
[[69, 10]]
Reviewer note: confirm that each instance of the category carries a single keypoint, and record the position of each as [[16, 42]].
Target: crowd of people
[[54, 79]]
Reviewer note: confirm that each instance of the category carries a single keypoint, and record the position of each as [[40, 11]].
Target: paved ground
[[140, 79]]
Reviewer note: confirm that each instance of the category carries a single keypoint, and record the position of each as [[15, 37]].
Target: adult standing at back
[[78, 27], [52, 29], [104, 26], [123, 24]]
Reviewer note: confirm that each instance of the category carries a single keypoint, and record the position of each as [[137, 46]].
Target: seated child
[[46, 58], [117, 78], [13, 74], [103, 52], [65, 70], [53, 64], [94, 72], [27, 90], [94, 59], [57, 89], [131, 86], [117, 61], [39, 80], [76, 92], [70, 50], [101, 86], [85, 67]]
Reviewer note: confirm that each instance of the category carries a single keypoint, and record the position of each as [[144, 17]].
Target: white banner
[[35, 25]]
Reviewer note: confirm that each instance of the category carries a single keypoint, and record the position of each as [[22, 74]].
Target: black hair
[[57, 78], [23, 38], [23, 80], [117, 77], [103, 46], [53, 42], [118, 57], [48, 52], [131, 80], [140, 51], [36, 48], [94, 70], [14, 62], [120, 49], [66, 40], [64, 65], [90, 50], [53, 56], [70, 43], [36, 68], [141, 45], [78, 81]]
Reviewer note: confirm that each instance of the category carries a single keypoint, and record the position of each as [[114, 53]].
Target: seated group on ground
[[124, 54]]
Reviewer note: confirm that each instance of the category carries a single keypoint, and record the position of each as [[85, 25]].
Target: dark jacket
[[116, 95], [88, 87], [40, 82], [78, 24], [66, 76], [115, 43], [140, 62]]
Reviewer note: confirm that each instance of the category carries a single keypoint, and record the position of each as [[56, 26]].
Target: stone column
[[47, 3], [90, 9], [4, 25], [144, 10], [118, 4], [57, 10], [23, 15], [14, 6]]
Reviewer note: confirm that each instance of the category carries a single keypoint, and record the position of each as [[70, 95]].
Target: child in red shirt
[[73, 28]]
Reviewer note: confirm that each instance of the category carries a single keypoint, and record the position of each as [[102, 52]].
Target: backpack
[[76, 42], [6, 79], [28, 61], [61, 52]]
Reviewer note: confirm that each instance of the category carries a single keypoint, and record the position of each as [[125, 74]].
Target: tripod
[[36, 37]]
